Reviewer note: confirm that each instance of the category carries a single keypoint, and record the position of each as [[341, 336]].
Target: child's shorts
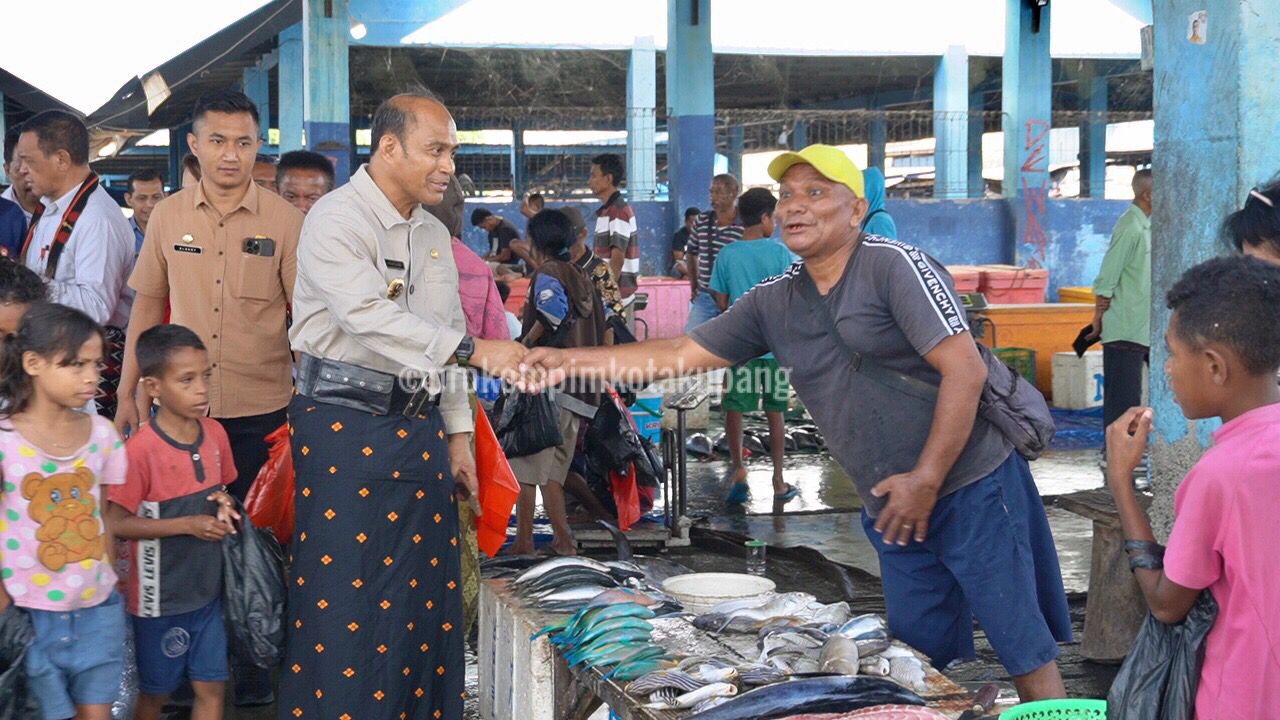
[[77, 657], [190, 645], [757, 384]]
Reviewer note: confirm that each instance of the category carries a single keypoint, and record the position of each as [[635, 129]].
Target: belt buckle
[[416, 401]]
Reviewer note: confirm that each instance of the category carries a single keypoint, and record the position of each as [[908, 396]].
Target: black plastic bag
[[611, 440], [526, 424], [16, 698], [253, 595], [649, 466], [1159, 676]]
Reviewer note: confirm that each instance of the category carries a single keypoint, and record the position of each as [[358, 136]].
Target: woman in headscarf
[[877, 221]]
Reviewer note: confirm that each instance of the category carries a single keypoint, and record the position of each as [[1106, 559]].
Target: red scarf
[[63, 234]]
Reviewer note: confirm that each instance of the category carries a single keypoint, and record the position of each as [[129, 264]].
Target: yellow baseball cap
[[831, 162]]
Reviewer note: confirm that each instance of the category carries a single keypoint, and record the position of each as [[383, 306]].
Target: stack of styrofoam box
[[517, 675], [1077, 381]]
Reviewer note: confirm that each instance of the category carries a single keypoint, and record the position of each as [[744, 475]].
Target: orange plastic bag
[[498, 487], [270, 500]]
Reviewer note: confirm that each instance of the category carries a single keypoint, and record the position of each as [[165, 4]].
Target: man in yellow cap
[[950, 507]]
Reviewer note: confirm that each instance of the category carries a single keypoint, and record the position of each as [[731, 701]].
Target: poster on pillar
[[1198, 27]]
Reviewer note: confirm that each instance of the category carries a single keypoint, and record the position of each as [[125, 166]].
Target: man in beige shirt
[[381, 435]]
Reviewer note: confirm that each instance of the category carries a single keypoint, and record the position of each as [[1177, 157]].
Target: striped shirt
[[706, 241], [616, 228]]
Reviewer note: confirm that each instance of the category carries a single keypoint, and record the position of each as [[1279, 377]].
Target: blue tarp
[[1078, 429]]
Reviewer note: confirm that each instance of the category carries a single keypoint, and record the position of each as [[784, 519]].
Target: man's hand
[[499, 358], [911, 500], [226, 509], [540, 369], [208, 528], [1126, 444], [463, 465], [132, 412]]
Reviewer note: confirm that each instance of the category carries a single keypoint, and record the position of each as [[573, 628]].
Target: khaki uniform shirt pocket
[[255, 279]]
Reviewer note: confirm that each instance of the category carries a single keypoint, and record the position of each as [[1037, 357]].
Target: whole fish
[[835, 693], [713, 674], [675, 679], [876, 666], [710, 703], [616, 653], [760, 675], [879, 712], [564, 578], [625, 636], [909, 672], [695, 697], [865, 627], [508, 565], [817, 634], [788, 642], [867, 648], [839, 655], [547, 566], [606, 627], [742, 618], [613, 596], [693, 662], [632, 669], [589, 617], [699, 445], [567, 597]]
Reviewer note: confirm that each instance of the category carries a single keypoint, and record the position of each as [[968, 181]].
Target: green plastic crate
[[1021, 359], [1058, 710]]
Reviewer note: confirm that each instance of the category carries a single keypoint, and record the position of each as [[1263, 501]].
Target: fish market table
[[528, 679]]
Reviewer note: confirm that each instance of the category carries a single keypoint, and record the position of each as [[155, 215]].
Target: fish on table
[[695, 697], [835, 693], [878, 712]]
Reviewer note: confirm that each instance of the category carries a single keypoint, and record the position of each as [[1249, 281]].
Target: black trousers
[[249, 446], [1122, 364]]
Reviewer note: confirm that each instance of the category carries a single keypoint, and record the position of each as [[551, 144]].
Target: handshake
[[528, 370]]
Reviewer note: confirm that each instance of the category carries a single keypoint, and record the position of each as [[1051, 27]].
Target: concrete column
[[876, 143], [951, 124], [735, 151], [256, 83], [691, 121], [519, 175], [799, 136], [291, 88], [1205, 164], [326, 108], [1027, 95], [977, 108], [642, 145], [1093, 134]]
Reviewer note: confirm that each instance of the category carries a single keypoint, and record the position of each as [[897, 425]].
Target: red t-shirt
[[174, 575]]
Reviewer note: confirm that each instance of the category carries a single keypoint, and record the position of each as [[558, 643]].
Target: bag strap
[[67, 224], [861, 363]]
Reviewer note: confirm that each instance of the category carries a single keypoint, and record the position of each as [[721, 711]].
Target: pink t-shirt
[[481, 303], [54, 553], [1226, 533]]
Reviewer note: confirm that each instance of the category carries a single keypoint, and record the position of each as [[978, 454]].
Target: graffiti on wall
[[1035, 192]]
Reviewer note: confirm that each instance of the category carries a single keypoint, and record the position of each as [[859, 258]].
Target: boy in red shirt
[[175, 511], [1224, 349]]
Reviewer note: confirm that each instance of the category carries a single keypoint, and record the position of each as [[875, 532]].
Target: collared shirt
[[138, 236], [12, 196], [233, 299], [1125, 277], [380, 291], [95, 261], [616, 228], [706, 241]]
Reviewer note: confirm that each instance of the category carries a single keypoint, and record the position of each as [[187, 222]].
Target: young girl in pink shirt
[[1224, 350]]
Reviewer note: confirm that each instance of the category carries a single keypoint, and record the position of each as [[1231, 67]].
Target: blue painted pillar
[[977, 125], [326, 110], [736, 142], [642, 146], [691, 121], [951, 124], [291, 88], [1093, 134], [256, 83], [1027, 95], [799, 135], [519, 171], [1204, 165], [876, 143]]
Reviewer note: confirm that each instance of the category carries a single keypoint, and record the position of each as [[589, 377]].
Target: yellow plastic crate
[[1075, 295]]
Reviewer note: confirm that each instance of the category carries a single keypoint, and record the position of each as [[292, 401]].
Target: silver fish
[[547, 566], [695, 697], [673, 679], [710, 703], [839, 655], [908, 672], [865, 627], [759, 675], [712, 674], [876, 666], [817, 635]]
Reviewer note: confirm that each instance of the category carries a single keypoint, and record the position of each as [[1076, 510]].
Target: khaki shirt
[[233, 300], [355, 244]]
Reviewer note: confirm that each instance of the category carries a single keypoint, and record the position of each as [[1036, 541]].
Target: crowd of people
[[146, 359]]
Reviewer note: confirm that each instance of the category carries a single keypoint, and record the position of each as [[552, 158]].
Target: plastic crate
[[1023, 360], [966, 278], [1076, 295], [1012, 285], [1058, 710]]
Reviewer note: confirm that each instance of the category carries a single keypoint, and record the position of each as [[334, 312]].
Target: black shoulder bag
[[1010, 403]]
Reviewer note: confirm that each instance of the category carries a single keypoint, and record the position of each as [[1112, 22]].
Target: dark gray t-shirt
[[893, 305]]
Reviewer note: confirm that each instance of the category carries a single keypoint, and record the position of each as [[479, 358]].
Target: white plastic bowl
[[699, 592]]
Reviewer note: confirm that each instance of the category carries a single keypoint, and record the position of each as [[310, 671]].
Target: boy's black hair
[[504, 291], [231, 102], [158, 343], [536, 197], [20, 284], [551, 232], [60, 130], [51, 331], [1234, 301], [143, 175], [691, 212], [305, 160], [1258, 222], [479, 215], [611, 165], [754, 204], [11, 142]]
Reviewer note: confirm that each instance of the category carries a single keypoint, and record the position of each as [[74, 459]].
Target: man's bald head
[[1142, 182], [397, 115]]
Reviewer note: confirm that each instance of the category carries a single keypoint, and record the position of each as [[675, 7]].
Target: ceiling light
[[358, 30]]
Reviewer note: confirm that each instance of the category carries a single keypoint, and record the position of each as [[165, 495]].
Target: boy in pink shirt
[[1224, 349]]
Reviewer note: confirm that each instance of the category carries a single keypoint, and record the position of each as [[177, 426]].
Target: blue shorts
[[989, 555], [190, 645], [77, 657], [702, 309]]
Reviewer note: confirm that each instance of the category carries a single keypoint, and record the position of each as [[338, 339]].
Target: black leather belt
[[359, 388]]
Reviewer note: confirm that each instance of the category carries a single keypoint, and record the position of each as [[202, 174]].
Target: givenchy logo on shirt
[[193, 249]]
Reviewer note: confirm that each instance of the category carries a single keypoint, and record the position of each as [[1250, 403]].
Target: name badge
[[193, 249], [394, 264]]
